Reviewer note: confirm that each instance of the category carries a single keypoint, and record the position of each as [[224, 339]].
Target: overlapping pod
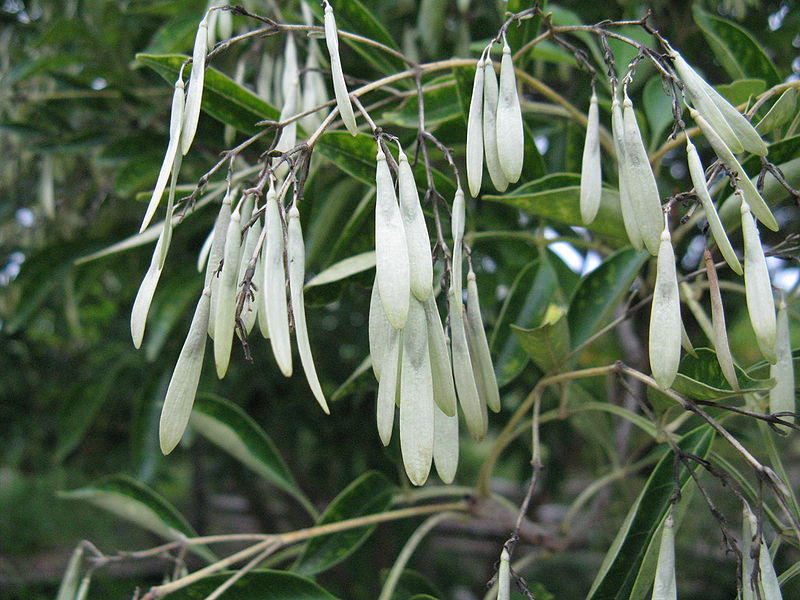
[[729, 123], [475, 133], [225, 307], [297, 274], [194, 91], [339, 86], [391, 249], [644, 197], [444, 391], [665, 584], [144, 297], [183, 384], [625, 201], [665, 317], [291, 68], [420, 260], [387, 386], [175, 123], [753, 545], [445, 441], [463, 373], [782, 395], [479, 348], [490, 93], [718, 324], [380, 331], [758, 290], [749, 191], [509, 130], [275, 305], [250, 306], [216, 254], [504, 576], [458, 221], [714, 223], [314, 92], [591, 170], [416, 397]]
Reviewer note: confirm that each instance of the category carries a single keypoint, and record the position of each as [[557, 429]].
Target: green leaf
[[262, 584], [784, 109], [701, 378], [369, 494], [562, 204], [741, 90], [740, 55], [657, 108], [223, 98], [134, 501], [226, 425], [344, 268], [621, 565], [440, 103], [176, 35], [353, 381], [597, 295], [548, 344]]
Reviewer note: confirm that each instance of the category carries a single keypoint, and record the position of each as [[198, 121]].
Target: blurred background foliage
[[82, 133]]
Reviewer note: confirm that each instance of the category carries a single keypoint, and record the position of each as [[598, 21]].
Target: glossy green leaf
[[738, 52], [176, 35], [369, 494], [548, 344], [621, 565], [223, 98], [700, 378], [598, 294], [135, 502], [227, 426], [784, 109], [343, 269], [261, 584], [741, 90]]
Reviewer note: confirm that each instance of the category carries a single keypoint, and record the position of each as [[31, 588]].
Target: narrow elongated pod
[[444, 390], [782, 395], [483, 357], [445, 442], [69, 583], [626, 206], [591, 170], [175, 122], [749, 191], [758, 289], [194, 91], [183, 385], [416, 397], [757, 583], [420, 260], [388, 384], [475, 133], [144, 297], [665, 585], [391, 249], [490, 93], [714, 223], [275, 304], [738, 133], [380, 331], [260, 296], [463, 374], [644, 197], [291, 69], [339, 86], [665, 317], [459, 216], [510, 136], [720, 339], [250, 306], [217, 253], [297, 275], [314, 92], [225, 306], [504, 576]]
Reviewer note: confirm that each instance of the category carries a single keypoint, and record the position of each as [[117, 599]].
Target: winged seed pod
[[69, 583], [260, 297], [749, 191], [144, 297], [416, 397], [277, 310], [758, 290], [217, 253], [250, 307], [457, 223], [380, 331], [714, 223], [314, 92], [591, 170], [510, 136], [194, 91], [504, 576], [183, 385], [644, 198], [475, 133], [490, 93], [626, 206], [445, 441], [420, 260], [224, 314], [485, 376], [782, 395], [175, 121], [444, 390], [729, 123], [387, 386], [297, 274], [339, 86], [763, 578], [665, 585], [391, 249], [665, 317], [290, 67], [463, 374], [720, 337]]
